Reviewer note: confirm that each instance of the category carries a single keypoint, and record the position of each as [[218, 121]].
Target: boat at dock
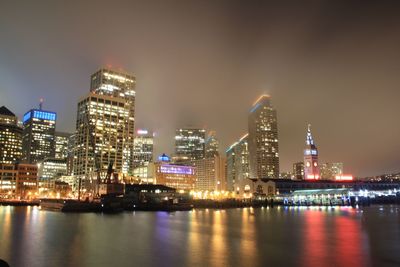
[[69, 205]]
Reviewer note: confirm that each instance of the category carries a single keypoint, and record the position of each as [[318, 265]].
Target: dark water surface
[[237, 237]]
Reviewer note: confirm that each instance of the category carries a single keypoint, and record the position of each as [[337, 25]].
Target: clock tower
[[311, 167]]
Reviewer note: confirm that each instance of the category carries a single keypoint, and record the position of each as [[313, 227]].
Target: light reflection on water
[[237, 237]]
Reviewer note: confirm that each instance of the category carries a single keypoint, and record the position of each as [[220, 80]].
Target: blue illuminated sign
[[27, 116], [40, 114]]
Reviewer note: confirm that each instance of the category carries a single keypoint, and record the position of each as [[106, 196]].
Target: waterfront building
[[10, 137], [311, 166], [143, 148], [190, 144], [18, 180], [176, 176], [263, 139], [330, 170], [210, 174], [211, 145], [8, 180], [38, 140], [283, 188], [105, 127], [61, 145], [238, 167], [52, 169], [298, 170]]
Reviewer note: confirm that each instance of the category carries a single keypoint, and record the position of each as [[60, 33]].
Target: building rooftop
[[5, 111]]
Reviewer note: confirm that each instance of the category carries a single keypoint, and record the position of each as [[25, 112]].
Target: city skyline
[[310, 85]]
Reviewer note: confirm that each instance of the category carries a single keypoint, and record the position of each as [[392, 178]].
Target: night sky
[[334, 64]]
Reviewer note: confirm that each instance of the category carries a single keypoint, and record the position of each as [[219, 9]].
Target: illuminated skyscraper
[[211, 145], [263, 139], [143, 148], [230, 168], [38, 136], [190, 144], [61, 145], [311, 167], [51, 169], [10, 137], [105, 126], [237, 162]]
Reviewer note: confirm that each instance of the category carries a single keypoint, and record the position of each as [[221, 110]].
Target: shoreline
[[232, 203]]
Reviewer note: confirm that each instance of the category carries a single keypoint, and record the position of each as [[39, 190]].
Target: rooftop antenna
[[41, 104]]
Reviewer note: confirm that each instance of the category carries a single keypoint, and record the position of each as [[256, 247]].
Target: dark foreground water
[[238, 237]]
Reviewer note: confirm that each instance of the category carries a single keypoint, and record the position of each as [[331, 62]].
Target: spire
[[309, 139], [41, 104]]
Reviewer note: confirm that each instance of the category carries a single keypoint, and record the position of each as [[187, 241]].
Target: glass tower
[[10, 137], [105, 126], [38, 140], [263, 139], [190, 143]]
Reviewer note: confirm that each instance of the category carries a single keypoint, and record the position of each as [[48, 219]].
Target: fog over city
[[332, 64]]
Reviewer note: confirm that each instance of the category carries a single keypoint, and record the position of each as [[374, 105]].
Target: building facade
[[263, 139], [52, 169], [210, 174], [61, 145], [143, 148], [230, 169], [211, 145], [311, 166], [298, 170], [237, 162], [10, 137], [18, 180], [190, 144], [38, 140], [175, 176], [330, 170], [105, 126]]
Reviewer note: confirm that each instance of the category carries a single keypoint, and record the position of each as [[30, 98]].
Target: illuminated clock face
[[315, 164], [308, 164]]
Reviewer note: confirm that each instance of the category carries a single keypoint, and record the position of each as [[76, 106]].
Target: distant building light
[[344, 178], [164, 158], [142, 131]]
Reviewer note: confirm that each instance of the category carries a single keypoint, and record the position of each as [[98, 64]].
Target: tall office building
[[263, 139], [230, 168], [143, 148], [211, 145], [70, 154], [38, 135], [237, 163], [190, 143], [10, 137], [311, 167], [61, 145], [105, 126]]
